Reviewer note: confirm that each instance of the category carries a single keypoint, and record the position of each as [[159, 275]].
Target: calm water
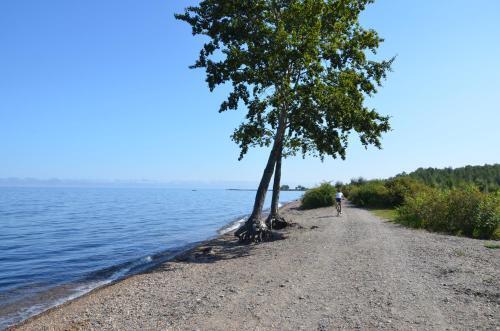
[[58, 243]]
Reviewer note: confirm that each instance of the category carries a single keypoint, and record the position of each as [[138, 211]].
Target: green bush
[[462, 205], [424, 209], [487, 218], [322, 196], [371, 194], [401, 187], [461, 211], [383, 193]]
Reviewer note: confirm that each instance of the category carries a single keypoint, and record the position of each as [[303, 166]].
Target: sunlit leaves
[[308, 59]]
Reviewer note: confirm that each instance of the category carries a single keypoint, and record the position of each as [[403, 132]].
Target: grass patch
[[387, 214], [492, 246]]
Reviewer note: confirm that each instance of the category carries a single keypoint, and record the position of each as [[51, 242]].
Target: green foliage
[[486, 177], [284, 188], [461, 210], [372, 194], [487, 218], [321, 196], [358, 181], [382, 193], [401, 187], [418, 208], [465, 211], [295, 64]]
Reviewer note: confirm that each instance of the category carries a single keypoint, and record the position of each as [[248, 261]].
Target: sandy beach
[[350, 272]]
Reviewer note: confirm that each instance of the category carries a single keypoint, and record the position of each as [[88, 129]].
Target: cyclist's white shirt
[[339, 195]]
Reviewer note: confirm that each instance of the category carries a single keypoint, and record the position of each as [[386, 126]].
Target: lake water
[[58, 243]]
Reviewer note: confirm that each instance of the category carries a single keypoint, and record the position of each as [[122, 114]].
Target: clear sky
[[101, 90]]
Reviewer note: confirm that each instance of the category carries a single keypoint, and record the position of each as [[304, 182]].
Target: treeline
[[486, 177], [288, 188], [459, 207]]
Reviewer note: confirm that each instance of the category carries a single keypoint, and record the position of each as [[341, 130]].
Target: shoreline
[[186, 251], [172, 255], [354, 271]]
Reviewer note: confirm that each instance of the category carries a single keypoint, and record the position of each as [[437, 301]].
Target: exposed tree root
[[277, 222], [253, 232]]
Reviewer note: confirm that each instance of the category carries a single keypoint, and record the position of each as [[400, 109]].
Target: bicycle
[[338, 206]]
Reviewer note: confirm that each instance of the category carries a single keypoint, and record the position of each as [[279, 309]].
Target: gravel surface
[[350, 272]]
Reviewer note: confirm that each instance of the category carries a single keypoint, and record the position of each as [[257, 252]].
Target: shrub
[[401, 187], [383, 194], [487, 218], [322, 196], [465, 211], [421, 209], [462, 206], [371, 194]]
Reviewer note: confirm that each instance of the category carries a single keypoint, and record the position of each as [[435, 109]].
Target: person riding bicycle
[[338, 198]]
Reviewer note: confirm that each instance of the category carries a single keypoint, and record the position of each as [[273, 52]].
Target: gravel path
[[350, 272]]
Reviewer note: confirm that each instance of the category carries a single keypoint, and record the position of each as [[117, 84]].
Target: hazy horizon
[[151, 183]]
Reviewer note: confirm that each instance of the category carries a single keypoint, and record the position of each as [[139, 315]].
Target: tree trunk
[[274, 220], [255, 229], [277, 182]]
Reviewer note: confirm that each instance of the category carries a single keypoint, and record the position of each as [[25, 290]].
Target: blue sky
[[101, 90]]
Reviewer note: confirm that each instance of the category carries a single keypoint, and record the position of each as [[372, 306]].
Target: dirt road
[[350, 272]]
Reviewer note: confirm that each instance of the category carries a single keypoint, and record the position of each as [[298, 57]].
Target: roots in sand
[[253, 232], [276, 222]]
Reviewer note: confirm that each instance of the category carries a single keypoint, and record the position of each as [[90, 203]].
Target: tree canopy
[[302, 62], [301, 68]]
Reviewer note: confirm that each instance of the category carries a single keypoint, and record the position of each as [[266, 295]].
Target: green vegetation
[[322, 196], [486, 177], [460, 207], [492, 246], [382, 193], [465, 211]]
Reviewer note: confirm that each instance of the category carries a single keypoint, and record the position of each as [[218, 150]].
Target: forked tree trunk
[[255, 229], [274, 220]]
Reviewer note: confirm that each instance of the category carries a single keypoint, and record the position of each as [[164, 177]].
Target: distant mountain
[[486, 177]]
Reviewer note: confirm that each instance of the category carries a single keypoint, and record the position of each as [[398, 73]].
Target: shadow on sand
[[223, 248]]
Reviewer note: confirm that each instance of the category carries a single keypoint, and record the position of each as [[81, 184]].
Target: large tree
[[300, 68]]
